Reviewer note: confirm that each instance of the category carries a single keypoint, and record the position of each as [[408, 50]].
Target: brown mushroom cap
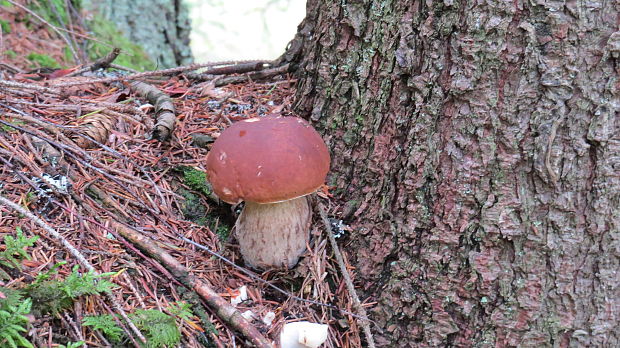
[[267, 160]]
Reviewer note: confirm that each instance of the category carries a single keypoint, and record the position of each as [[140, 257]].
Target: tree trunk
[[476, 153], [161, 27]]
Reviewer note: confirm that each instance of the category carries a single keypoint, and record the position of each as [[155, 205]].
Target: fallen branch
[[29, 86], [347, 278], [228, 70], [164, 72], [222, 308], [263, 74], [77, 254]]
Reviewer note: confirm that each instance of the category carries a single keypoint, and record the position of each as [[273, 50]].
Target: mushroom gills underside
[[274, 235]]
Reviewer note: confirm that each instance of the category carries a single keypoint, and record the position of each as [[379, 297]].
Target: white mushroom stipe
[[303, 334], [274, 234]]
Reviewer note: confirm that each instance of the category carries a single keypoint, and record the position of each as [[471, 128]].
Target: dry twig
[[347, 278], [29, 86], [101, 63], [263, 74]]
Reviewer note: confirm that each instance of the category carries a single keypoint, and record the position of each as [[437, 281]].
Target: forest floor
[[87, 159]]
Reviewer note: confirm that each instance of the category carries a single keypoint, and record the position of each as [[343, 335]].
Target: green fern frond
[[77, 284], [41, 277], [14, 252], [106, 324], [52, 296], [13, 322], [159, 328], [181, 309], [9, 297]]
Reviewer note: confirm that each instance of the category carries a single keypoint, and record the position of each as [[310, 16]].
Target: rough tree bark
[[161, 27], [476, 150]]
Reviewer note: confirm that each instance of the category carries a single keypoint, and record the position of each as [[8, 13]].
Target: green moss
[[196, 180], [359, 118], [192, 208], [5, 3], [52, 11], [42, 60], [349, 137], [132, 55], [8, 129], [6, 27], [10, 53], [222, 231]]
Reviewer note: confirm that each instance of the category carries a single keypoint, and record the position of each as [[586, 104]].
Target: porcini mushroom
[[272, 163]]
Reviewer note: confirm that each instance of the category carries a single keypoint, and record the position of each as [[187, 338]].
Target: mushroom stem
[[274, 235]]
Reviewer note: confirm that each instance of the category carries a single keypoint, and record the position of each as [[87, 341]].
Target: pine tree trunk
[[161, 27], [476, 153]]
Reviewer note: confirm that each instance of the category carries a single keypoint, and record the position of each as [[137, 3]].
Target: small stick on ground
[[222, 308], [347, 278], [77, 254], [103, 62]]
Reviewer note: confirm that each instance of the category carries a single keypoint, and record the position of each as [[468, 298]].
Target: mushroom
[[303, 334], [272, 163]]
